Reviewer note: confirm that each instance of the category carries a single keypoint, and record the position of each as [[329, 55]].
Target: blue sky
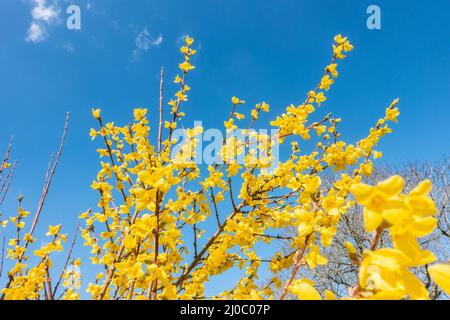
[[271, 51]]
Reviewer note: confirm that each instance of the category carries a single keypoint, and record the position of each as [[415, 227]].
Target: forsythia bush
[[161, 231]]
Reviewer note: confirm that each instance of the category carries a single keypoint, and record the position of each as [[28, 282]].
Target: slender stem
[[7, 183], [161, 94], [49, 282], [298, 261], [216, 211], [3, 256], [157, 232], [50, 177], [72, 245]]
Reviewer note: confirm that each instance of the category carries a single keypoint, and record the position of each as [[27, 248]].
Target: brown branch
[[216, 211], [355, 291], [49, 177], [49, 282], [278, 237], [72, 245], [210, 242], [6, 184], [231, 194], [161, 94], [298, 262], [6, 157], [157, 233], [3, 256], [376, 238], [195, 241]]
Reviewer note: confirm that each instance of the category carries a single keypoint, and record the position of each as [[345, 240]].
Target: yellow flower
[[236, 100], [320, 97], [377, 199], [96, 113], [350, 248], [392, 114], [129, 242], [239, 116], [304, 290], [332, 69], [189, 41], [186, 66], [339, 39], [385, 271], [366, 169], [53, 230], [326, 82], [440, 273]]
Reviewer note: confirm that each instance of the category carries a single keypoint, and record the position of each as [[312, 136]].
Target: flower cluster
[[385, 272], [164, 226]]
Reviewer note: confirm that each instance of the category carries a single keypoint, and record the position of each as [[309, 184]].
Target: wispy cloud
[[144, 41], [68, 46], [44, 14]]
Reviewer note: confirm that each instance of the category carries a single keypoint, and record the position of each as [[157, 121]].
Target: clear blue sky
[[257, 50]]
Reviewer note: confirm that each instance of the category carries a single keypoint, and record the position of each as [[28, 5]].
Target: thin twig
[[298, 262], [49, 282], [72, 245], [161, 92], [6, 157], [157, 233], [195, 241], [216, 211], [50, 177], [8, 183], [210, 242], [3, 256]]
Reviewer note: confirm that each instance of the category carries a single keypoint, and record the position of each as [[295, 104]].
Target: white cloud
[[157, 42], [44, 14], [144, 41], [35, 33]]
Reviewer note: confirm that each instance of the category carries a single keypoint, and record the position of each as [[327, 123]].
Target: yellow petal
[[422, 189], [389, 258], [392, 186], [395, 216], [305, 291], [409, 246], [362, 192], [329, 295], [304, 229], [423, 226], [350, 248], [423, 206], [372, 220], [414, 286], [440, 273]]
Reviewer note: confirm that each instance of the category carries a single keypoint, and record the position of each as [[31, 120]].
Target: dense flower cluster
[[151, 234]]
